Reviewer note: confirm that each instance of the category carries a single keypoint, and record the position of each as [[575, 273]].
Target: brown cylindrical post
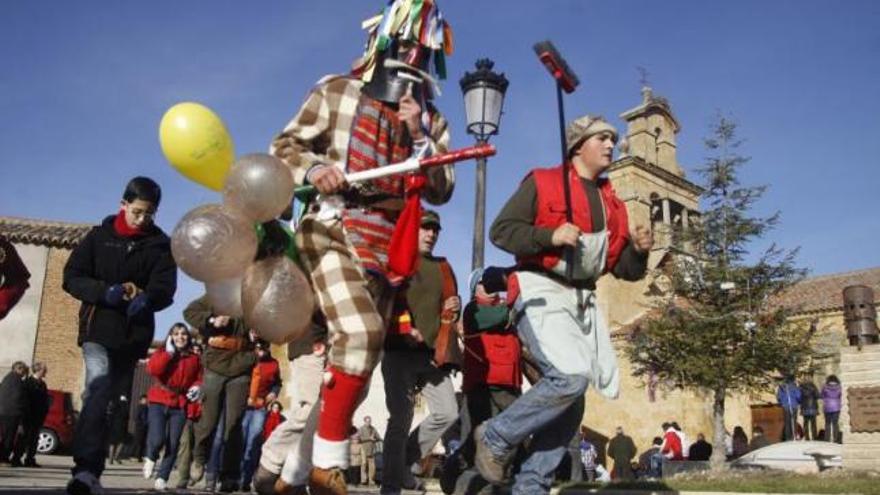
[[860, 315]]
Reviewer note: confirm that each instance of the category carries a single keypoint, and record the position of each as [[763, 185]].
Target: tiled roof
[[812, 295], [825, 293], [43, 232]]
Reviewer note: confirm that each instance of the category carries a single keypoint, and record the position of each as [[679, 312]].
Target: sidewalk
[[124, 479]]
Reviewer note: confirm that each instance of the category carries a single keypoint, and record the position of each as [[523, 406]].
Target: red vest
[[550, 206], [491, 358]]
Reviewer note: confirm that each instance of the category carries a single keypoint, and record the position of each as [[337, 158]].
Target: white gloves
[[194, 394]]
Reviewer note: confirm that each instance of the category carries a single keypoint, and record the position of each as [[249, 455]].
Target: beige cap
[[584, 127]]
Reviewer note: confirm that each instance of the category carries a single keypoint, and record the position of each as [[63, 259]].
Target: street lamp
[[483, 98]]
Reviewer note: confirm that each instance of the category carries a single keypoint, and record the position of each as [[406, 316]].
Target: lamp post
[[483, 92]]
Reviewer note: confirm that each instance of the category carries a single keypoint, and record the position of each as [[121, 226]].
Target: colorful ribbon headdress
[[417, 21]]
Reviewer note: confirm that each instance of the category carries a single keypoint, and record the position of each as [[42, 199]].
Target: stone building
[[649, 179]]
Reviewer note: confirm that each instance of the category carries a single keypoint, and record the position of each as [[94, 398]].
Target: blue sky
[[84, 84]]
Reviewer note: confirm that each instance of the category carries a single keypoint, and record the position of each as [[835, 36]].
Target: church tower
[[647, 176]]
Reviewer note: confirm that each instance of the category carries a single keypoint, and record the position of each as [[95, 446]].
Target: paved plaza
[[124, 479]]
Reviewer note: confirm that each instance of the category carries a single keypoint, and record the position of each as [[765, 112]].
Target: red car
[[57, 430]]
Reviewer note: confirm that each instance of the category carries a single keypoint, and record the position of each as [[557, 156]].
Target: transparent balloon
[[213, 243], [225, 296], [260, 186], [277, 300]]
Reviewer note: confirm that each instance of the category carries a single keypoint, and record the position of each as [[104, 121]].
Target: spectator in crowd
[[740, 442], [140, 428], [622, 449], [354, 459], [123, 273], [831, 392], [14, 277], [589, 456], [809, 407], [184, 450], [215, 457], [285, 463], [701, 450], [685, 444], [227, 361], [492, 378], [651, 460], [38, 407], [368, 438], [788, 395], [417, 358], [273, 419], [758, 439], [264, 389], [12, 408], [177, 375], [118, 428], [576, 467], [671, 447]]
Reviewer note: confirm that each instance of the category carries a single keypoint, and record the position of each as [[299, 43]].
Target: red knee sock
[[339, 399]]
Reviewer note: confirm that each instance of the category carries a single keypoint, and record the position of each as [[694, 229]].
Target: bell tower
[[647, 176]]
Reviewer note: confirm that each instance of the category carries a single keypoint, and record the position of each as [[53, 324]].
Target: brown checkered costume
[[355, 302]]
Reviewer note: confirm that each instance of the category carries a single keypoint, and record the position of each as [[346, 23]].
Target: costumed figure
[[556, 314], [358, 244]]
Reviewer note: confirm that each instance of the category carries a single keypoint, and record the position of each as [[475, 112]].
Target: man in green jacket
[[228, 361], [410, 365]]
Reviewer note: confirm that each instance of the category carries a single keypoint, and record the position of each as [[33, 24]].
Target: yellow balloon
[[196, 142]]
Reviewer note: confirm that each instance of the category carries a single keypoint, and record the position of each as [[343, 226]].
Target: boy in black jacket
[[123, 273]]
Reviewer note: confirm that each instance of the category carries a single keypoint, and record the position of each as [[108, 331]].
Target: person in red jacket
[[273, 419], [14, 277], [566, 227], [671, 448], [178, 372], [491, 374], [265, 386]]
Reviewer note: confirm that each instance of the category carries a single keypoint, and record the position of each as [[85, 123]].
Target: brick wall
[[57, 330]]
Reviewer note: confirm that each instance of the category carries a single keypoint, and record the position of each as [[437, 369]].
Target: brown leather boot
[[327, 482], [283, 488]]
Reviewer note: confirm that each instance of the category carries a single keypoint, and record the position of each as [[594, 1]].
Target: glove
[[194, 394], [138, 304], [113, 295], [170, 348]]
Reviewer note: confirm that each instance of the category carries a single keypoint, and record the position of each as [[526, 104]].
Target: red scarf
[[121, 226]]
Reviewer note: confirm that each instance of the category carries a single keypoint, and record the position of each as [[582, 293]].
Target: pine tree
[[719, 331]]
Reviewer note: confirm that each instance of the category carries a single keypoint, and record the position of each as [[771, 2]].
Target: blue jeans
[[212, 471], [166, 425], [109, 374], [252, 433], [550, 412]]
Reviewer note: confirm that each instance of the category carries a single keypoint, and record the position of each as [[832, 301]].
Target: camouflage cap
[[582, 128], [430, 217]]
